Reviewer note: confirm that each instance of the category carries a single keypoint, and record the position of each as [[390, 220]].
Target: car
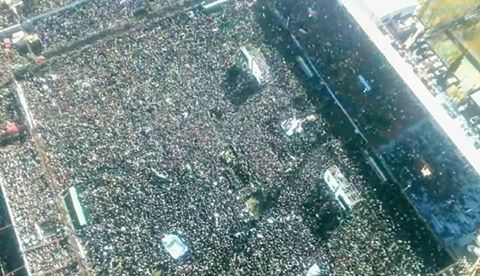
[[462, 108], [477, 144], [475, 120], [450, 111]]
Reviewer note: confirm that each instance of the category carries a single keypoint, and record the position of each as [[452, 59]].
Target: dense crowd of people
[[33, 205], [139, 122], [82, 21], [446, 191], [13, 12], [381, 112], [7, 16], [31, 8]]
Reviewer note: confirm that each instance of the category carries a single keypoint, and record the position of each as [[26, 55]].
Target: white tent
[[476, 98], [292, 126], [314, 270], [174, 246], [77, 207], [345, 192], [253, 65]]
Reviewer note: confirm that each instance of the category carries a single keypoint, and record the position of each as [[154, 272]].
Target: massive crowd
[[139, 123], [82, 21], [33, 205], [31, 8], [7, 15], [447, 197], [381, 112]]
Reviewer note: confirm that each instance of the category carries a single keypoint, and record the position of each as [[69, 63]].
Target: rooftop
[[379, 9]]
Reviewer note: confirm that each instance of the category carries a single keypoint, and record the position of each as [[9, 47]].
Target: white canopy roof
[[174, 246], [382, 8], [11, 2], [314, 270], [476, 98], [77, 207]]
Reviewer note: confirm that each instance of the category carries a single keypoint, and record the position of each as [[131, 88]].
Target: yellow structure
[[452, 28], [437, 13]]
